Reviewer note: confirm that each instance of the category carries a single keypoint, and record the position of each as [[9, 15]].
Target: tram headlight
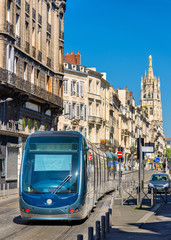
[[49, 201]]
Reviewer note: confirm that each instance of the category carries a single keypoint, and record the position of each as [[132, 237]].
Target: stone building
[[151, 101], [31, 75], [91, 105], [127, 122]]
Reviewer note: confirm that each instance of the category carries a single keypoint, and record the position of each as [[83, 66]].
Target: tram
[[62, 176]]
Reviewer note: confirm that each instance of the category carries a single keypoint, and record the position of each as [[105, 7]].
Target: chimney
[[73, 58]]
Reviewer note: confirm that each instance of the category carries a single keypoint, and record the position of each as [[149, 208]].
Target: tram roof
[[55, 133]]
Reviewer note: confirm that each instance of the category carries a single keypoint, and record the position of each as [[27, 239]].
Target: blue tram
[[62, 176]]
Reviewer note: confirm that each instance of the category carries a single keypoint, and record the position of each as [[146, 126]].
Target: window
[[25, 71], [65, 109], [90, 108], [97, 110], [8, 10], [78, 111], [85, 112], [81, 111], [70, 111], [47, 48], [65, 86], [10, 58], [17, 25], [39, 38], [90, 82], [49, 84], [38, 77], [72, 88], [15, 64], [97, 87], [32, 75], [151, 111], [73, 110], [33, 37]]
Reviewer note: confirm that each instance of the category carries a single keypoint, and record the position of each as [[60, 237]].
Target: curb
[[145, 218]]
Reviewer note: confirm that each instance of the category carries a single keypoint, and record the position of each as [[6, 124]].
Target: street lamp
[[6, 100]]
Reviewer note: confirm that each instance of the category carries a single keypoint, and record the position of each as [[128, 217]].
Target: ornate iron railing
[[27, 7], [48, 61], [39, 55], [34, 52], [12, 80], [27, 47]]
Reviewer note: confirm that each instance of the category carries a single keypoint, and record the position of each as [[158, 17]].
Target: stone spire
[[150, 68]]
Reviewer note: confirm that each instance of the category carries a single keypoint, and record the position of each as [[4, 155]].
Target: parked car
[[160, 181]]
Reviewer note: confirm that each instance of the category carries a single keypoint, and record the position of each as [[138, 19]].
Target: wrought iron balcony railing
[[12, 80]]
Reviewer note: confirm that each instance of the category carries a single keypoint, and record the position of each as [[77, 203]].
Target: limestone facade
[[31, 74]]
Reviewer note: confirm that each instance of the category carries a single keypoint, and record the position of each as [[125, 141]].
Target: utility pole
[[139, 200]]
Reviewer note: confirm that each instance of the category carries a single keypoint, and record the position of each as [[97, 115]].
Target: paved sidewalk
[[144, 224], [9, 194]]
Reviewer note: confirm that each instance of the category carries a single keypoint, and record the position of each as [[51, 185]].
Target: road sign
[[119, 154], [148, 149], [157, 160]]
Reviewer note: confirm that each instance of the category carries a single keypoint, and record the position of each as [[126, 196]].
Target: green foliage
[[168, 152], [23, 124]]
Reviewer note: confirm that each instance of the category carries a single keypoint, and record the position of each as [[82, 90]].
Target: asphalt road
[[13, 227]]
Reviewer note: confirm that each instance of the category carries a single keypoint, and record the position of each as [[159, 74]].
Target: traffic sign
[[119, 154], [148, 149], [157, 160]]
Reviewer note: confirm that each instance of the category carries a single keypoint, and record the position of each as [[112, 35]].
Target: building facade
[[151, 101], [91, 105], [31, 75]]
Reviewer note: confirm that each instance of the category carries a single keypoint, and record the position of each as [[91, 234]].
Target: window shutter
[[77, 89], [71, 88], [12, 163], [70, 110]]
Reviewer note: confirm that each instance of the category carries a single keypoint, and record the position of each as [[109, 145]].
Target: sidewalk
[[141, 224], [8, 195]]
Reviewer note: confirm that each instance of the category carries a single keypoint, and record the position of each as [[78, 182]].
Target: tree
[[168, 152]]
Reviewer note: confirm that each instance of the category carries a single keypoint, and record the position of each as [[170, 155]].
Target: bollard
[[110, 217], [90, 233], [107, 222], [97, 230], [103, 227], [4, 190], [79, 237], [152, 197], [7, 189]]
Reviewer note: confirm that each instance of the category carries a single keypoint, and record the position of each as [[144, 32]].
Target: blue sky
[[117, 36]]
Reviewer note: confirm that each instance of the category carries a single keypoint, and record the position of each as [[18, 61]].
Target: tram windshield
[[48, 163]]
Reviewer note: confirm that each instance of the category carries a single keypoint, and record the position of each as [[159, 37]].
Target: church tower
[[151, 101], [150, 95]]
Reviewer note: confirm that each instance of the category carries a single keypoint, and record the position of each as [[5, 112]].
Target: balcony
[[99, 120], [10, 28], [33, 13], [92, 119], [11, 80], [34, 52], [27, 47], [27, 7], [125, 132], [49, 28], [39, 55], [13, 128], [18, 41], [40, 19], [48, 62]]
